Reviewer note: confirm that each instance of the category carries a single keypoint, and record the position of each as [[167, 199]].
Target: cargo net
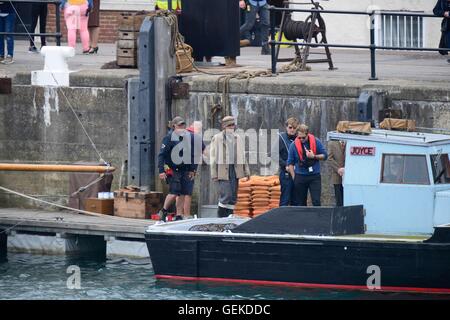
[[214, 227]]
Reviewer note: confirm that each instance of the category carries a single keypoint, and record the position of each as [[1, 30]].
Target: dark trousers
[[302, 184], [250, 19], [7, 25], [38, 10], [287, 189], [339, 194]]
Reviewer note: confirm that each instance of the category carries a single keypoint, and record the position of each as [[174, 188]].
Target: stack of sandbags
[[243, 206], [275, 194], [261, 193]]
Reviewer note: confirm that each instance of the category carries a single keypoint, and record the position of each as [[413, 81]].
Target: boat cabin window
[[441, 168], [404, 169]]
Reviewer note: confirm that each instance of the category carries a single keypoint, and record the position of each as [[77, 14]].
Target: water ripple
[[29, 276]]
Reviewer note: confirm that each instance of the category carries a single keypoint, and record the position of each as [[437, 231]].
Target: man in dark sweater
[[286, 182], [176, 166]]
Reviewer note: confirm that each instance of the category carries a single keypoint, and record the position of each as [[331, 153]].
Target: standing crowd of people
[[81, 15], [298, 151]]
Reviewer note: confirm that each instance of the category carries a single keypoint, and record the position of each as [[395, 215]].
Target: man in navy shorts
[[176, 166]]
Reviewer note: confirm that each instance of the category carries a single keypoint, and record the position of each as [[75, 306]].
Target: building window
[[440, 165], [404, 169], [399, 31]]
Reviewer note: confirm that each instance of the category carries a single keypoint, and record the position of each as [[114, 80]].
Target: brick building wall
[[109, 24]]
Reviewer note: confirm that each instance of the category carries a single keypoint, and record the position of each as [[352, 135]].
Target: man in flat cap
[[176, 166], [228, 164]]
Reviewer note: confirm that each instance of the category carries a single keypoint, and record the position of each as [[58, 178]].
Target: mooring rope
[[65, 207], [295, 65], [82, 189], [224, 80]]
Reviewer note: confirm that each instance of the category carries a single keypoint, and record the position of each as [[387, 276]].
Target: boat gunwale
[[352, 238]]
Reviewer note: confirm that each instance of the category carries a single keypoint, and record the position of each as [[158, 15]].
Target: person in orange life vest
[[303, 164]]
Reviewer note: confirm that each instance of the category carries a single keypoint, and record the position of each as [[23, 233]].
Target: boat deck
[[183, 228]]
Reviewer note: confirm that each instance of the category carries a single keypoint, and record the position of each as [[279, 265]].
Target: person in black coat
[[286, 182], [442, 9]]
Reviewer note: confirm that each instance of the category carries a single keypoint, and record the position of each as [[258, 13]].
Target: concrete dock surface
[[409, 68]]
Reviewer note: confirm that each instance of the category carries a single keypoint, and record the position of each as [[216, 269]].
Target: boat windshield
[[441, 168]]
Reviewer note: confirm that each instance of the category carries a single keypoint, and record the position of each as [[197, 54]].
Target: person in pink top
[[76, 13]]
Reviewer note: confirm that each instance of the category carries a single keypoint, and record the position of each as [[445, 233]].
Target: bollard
[[56, 70]]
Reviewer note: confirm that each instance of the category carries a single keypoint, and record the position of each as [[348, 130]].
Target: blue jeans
[[287, 189], [250, 19], [7, 24]]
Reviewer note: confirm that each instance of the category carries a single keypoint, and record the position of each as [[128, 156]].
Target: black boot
[[229, 212], [162, 214], [222, 212], [265, 50]]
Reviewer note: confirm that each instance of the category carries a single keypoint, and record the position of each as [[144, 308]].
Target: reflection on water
[[29, 276]]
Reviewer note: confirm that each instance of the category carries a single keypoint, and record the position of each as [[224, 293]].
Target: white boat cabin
[[401, 178]]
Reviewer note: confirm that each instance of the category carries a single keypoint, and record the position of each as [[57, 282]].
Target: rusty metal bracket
[[5, 85], [177, 88]]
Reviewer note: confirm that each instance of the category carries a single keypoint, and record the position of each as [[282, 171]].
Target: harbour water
[[33, 276]]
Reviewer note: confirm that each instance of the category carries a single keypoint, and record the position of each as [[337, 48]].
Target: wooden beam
[[54, 168]]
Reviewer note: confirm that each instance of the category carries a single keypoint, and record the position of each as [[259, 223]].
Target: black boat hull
[[324, 263]]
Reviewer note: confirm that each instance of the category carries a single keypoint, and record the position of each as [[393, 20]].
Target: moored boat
[[393, 234], [401, 263]]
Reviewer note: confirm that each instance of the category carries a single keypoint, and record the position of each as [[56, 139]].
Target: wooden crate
[[132, 21], [104, 206], [138, 205], [127, 44], [128, 35], [127, 57]]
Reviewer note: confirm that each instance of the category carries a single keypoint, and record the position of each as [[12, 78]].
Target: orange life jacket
[[312, 145]]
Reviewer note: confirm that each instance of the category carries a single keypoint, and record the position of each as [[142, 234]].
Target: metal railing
[[56, 34], [372, 47]]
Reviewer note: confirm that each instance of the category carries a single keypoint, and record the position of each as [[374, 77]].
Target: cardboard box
[[103, 206]]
